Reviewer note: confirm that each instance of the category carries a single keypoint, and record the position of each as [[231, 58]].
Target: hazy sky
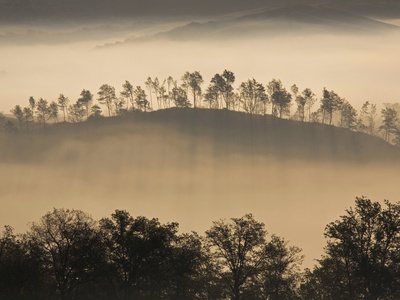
[[357, 68]]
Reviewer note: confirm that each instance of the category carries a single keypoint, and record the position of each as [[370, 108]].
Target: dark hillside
[[267, 135], [187, 133]]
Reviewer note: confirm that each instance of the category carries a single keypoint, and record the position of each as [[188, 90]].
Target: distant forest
[[251, 97], [69, 255]]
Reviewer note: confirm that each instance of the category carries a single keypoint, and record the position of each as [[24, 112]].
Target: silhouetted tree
[[107, 97], [310, 100], [140, 99], [149, 85], [348, 115], [211, 96], [300, 102], [140, 251], [158, 90], [273, 86], [20, 274], [77, 112], [170, 84], [279, 273], [237, 248], [71, 247], [63, 104], [366, 120], [179, 97], [95, 112], [32, 103], [42, 111], [280, 98], [19, 114], [304, 101], [53, 111], [389, 119], [86, 100], [222, 84], [330, 103], [193, 82], [252, 96], [187, 263], [127, 94], [28, 117], [362, 257]]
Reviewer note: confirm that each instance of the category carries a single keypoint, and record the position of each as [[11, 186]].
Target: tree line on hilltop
[[69, 255], [251, 97]]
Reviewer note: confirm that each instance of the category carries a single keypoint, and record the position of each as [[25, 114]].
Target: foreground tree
[[21, 275], [70, 248], [237, 248], [362, 259], [140, 251], [279, 273]]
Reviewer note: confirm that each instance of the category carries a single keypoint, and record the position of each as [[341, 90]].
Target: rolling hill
[[273, 22], [184, 134]]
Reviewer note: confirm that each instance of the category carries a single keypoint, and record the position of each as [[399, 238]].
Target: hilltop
[[184, 134]]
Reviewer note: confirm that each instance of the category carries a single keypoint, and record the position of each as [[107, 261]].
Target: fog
[[158, 172], [353, 66], [169, 175]]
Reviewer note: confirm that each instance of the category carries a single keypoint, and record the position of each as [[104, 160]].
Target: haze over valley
[[295, 165]]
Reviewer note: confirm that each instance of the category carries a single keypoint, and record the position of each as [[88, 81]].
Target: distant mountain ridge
[[305, 19], [29, 10]]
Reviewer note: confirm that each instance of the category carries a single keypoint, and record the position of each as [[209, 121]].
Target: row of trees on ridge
[[251, 97]]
